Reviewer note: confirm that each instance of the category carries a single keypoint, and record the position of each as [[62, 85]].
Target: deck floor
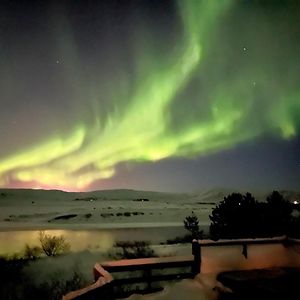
[[273, 283]]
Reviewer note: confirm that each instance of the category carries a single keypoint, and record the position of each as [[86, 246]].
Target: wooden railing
[[150, 270], [112, 276]]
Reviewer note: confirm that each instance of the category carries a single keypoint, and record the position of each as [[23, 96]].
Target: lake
[[96, 239]]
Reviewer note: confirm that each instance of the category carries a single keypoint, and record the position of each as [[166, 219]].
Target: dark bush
[[191, 223], [180, 240], [135, 249], [15, 284], [241, 216]]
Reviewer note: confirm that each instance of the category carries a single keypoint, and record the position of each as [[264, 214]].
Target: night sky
[[150, 94]]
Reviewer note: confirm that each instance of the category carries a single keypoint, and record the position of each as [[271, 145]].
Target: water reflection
[[100, 240]]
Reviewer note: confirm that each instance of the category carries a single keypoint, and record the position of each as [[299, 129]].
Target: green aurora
[[205, 93]]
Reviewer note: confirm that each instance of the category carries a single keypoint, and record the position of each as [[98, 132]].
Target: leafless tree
[[53, 245]]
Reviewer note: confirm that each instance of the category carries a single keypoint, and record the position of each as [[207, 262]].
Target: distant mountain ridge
[[207, 196], [117, 194]]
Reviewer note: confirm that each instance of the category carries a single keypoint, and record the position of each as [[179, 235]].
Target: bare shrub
[[135, 249], [32, 252], [53, 245]]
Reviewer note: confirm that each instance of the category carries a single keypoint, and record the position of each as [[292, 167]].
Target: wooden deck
[[112, 276], [271, 283]]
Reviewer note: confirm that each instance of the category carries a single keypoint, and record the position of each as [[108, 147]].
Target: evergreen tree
[[234, 217], [191, 223]]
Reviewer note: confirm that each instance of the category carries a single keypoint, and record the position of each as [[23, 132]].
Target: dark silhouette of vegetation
[[10, 275], [277, 214], [191, 223], [135, 249], [241, 216], [53, 245], [16, 284], [32, 252], [179, 240], [294, 229], [234, 217]]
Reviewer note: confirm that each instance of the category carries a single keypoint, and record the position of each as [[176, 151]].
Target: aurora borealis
[[94, 90]]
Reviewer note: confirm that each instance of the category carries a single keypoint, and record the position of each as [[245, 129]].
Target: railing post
[[148, 278], [196, 251], [245, 250]]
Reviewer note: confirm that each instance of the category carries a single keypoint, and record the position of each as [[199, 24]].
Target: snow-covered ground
[[204, 287], [38, 209], [95, 220], [42, 209]]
